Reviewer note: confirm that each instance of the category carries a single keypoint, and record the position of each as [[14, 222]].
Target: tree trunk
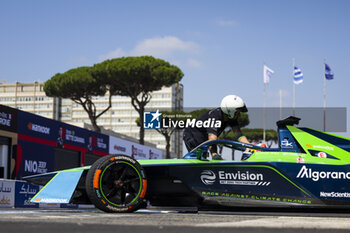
[[167, 139], [90, 109], [94, 125], [142, 129]]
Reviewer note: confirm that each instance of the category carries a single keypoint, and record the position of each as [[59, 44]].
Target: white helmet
[[231, 104]]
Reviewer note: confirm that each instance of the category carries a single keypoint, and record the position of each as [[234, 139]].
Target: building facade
[[119, 118]]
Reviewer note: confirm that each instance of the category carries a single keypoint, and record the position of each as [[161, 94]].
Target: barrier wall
[[14, 193], [44, 145], [7, 193], [17, 194], [135, 150]]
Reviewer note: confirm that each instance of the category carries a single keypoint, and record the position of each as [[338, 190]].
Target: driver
[[228, 113]]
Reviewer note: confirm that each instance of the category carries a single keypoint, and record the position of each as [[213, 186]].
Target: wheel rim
[[120, 184]]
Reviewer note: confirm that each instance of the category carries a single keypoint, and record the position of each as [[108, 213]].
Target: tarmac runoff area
[[92, 220]]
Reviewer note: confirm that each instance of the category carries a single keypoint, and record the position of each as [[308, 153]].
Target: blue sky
[[220, 45]]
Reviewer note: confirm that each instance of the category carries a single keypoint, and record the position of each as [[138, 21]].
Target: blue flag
[[328, 72], [298, 75]]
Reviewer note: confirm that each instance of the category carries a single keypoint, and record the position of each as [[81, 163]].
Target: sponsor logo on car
[[256, 197], [322, 154], [335, 194], [208, 177], [308, 173], [319, 147], [51, 200], [300, 160], [323, 147], [286, 144]]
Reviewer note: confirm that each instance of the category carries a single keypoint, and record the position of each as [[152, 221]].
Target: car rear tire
[[116, 183]]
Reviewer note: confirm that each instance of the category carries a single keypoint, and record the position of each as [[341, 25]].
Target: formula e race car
[[309, 169]]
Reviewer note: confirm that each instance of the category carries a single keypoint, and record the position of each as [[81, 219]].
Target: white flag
[[267, 74]]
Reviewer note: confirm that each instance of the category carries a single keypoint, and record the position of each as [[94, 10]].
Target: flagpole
[[324, 98], [280, 104], [264, 111], [293, 88]]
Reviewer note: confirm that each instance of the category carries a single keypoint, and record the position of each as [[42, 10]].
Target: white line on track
[[43, 211], [81, 211], [286, 222]]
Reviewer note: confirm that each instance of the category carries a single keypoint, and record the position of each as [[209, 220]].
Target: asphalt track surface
[[92, 220]]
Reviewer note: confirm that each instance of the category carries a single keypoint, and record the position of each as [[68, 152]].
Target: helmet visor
[[242, 109]]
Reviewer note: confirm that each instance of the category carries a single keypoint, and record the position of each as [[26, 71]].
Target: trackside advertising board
[[23, 193], [17, 194], [8, 119], [40, 138], [72, 137], [7, 193], [55, 133], [135, 150], [36, 142]]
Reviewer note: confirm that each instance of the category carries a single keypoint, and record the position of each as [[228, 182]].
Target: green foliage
[[79, 85], [254, 135], [74, 84], [130, 76], [257, 134], [137, 77]]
